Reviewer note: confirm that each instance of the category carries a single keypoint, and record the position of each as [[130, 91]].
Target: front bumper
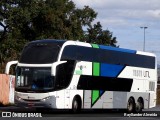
[[48, 102]]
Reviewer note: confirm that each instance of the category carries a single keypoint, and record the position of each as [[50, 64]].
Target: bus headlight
[[44, 99], [18, 98]]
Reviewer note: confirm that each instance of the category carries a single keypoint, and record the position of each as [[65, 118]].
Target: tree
[[95, 34], [26, 20], [10, 49], [37, 19], [105, 37]]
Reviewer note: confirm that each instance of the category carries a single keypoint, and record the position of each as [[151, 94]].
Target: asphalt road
[[19, 113]]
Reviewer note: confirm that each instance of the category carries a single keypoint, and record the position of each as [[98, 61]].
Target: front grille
[[31, 100]]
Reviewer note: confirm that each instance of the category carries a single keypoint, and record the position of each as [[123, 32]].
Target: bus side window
[[69, 68], [64, 74], [60, 76]]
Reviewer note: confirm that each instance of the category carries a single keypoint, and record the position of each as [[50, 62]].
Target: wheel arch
[[131, 97]]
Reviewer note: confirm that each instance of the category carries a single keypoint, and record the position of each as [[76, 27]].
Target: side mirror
[[54, 66], [9, 64]]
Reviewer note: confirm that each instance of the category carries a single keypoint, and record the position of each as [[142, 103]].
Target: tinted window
[[104, 83], [64, 74], [107, 56], [69, 53], [39, 54]]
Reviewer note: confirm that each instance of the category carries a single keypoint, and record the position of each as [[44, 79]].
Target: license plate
[[30, 104]]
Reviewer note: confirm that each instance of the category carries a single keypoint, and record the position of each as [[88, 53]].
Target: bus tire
[[139, 105], [131, 105], [76, 105]]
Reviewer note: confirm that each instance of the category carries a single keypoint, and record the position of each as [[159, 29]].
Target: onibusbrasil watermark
[[21, 115]]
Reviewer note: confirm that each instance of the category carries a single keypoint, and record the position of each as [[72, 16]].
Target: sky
[[124, 19]]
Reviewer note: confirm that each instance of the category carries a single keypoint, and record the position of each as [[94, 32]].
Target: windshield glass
[[34, 79], [39, 54]]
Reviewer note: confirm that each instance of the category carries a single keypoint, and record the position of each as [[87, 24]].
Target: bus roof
[[61, 42], [48, 41]]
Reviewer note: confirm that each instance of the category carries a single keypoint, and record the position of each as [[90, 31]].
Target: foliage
[[95, 34], [26, 20], [10, 50]]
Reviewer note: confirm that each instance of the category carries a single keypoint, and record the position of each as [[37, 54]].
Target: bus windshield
[[39, 54], [34, 79]]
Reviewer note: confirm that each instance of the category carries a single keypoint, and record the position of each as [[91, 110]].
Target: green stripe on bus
[[95, 96], [95, 46], [96, 69], [96, 65], [96, 72]]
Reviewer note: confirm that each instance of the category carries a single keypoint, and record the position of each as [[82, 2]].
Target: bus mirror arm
[[9, 64], [54, 66]]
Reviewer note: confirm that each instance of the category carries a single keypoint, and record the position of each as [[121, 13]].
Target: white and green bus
[[75, 75]]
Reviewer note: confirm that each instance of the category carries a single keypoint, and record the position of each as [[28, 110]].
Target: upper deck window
[[125, 58], [40, 53]]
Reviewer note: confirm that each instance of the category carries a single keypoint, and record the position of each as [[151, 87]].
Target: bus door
[[60, 99], [87, 99], [152, 95], [67, 98]]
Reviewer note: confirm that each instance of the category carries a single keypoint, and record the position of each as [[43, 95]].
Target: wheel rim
[[139, 105], [75, 104], [130, 106]]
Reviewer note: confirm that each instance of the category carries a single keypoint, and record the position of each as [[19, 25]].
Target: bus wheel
[[76, 105], [131, 105], [139, 105]]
